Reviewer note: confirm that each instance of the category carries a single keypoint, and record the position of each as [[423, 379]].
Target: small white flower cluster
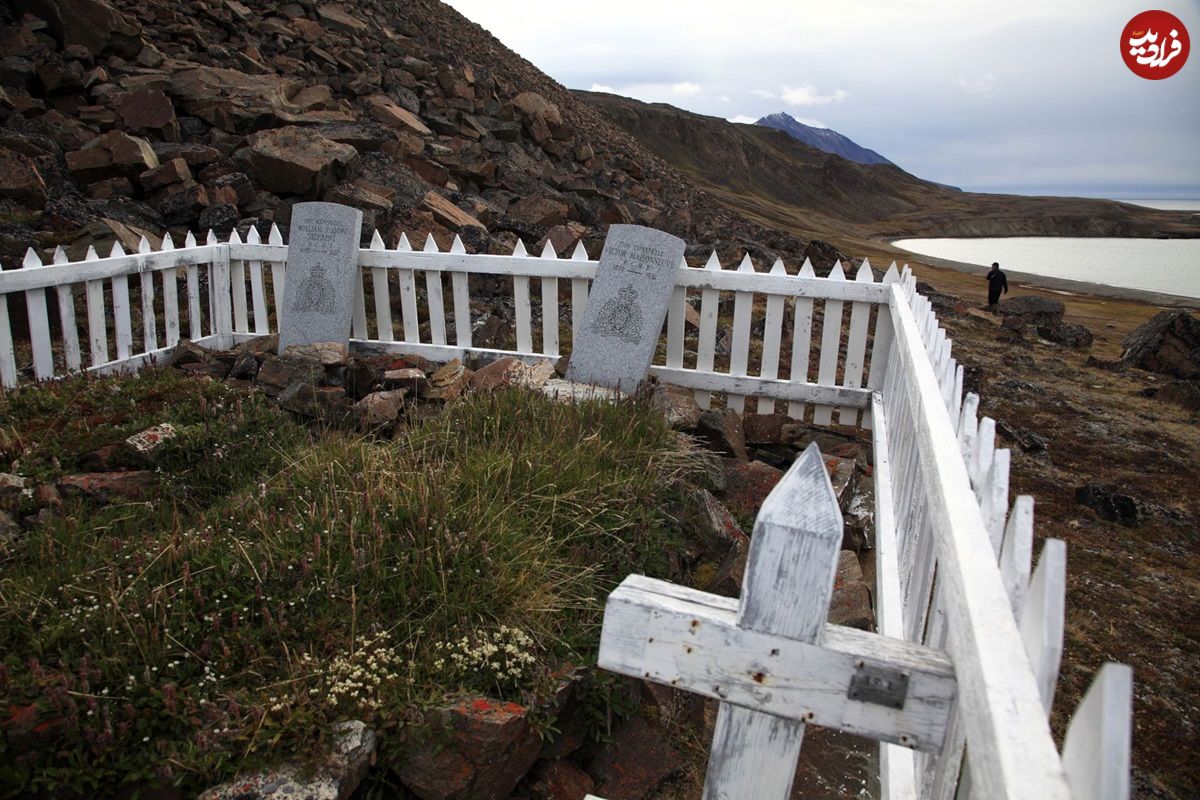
[[502, 659], [357, 677]]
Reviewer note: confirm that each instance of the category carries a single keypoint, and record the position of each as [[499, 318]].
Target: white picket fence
[[954, 561]]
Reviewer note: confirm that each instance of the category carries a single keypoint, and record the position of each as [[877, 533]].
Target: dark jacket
[[997, 281]]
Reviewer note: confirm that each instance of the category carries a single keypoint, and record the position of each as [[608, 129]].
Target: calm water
[[1171, 266]]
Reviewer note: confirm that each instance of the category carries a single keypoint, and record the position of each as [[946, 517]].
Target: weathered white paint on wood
[[124, 332], [437, 302], [579, 292], [1096, 750], [237, 273], [460, 288], [785, 594], [801, 339], [856, 344], [278, 274], [1012, 752], [1043, 618], [764, 387], [881, 343], [408, 296], [549, 306], [772, 335], [219, 287], [1016, 553], [676, 319], [706, 342], [739, 353], [831, 336], [66, 316], [8, 358], [521, 304], [383, 296], [39, 322]]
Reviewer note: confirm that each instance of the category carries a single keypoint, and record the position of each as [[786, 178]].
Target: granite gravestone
[[322, 266], [626, 307]]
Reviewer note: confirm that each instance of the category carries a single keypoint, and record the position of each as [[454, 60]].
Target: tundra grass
[[285, 579]]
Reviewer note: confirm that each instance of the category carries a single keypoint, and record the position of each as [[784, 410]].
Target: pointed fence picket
[[955, 568]]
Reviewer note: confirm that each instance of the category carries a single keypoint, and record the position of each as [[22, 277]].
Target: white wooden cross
[[771, 659]]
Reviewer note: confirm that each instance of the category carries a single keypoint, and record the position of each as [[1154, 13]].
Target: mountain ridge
[[825, 139]]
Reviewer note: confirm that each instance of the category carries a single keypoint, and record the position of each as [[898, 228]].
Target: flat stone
[[328, 354], [149, 111], [336, 779], [410, 378], [326, 404], [764, 428], [389, 113], [277, 373], [448, 214], [322, 267], [626, 307], [107, 485], [153, 438]]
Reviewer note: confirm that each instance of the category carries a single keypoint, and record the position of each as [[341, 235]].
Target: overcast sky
[[1026, 96]]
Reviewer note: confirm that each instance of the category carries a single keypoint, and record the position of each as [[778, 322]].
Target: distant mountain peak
[[825, 139]]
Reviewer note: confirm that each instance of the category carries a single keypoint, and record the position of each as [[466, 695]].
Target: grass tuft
[[298, 579]]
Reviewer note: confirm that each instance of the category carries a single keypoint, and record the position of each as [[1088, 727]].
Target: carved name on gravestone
[[322, 266], [626, 307]]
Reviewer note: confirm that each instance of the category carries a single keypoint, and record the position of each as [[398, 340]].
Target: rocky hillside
[[123, 117], [772, 177]]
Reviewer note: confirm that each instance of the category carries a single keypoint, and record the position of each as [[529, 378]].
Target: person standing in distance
[[997, 282]]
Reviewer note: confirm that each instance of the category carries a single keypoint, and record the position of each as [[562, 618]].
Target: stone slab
[[626, 307], [322, 266]]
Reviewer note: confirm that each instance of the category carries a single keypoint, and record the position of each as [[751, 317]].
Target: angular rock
[[851, 603], [1033, 310], [1168, 343], [92, 24], [107, 485], [842, 476], [20, 179], [747, 484], [327, 404], [149, 111], [410, 378], [476, 750], [112, 155], [277, 373], [448, 381], [336, 778], [764, 428], [1182, 393], [678, 405], [448, 214], [380, 408], [295, 160], [540, 211], [722, 432], [634, 763], [237, 102], [174, 171], [1110, 504], [1069, 334], [387, 112], [337, 18]]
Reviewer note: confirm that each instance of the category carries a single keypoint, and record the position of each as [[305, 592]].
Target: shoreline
[[1058, 285]]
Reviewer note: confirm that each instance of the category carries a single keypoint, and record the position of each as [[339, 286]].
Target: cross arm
[[691, 640]]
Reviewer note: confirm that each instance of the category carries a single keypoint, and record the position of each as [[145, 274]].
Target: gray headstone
[[626, 307], [322, 266]]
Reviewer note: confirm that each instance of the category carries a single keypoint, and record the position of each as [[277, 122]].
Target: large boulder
[[1033, 310], [20, 179], [111, 155], [149, 111], [92, 24], [297, 161], [239, 103], [1168, 343]]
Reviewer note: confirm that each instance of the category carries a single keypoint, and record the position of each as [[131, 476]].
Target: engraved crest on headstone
[[322, 266], [626, 307]]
